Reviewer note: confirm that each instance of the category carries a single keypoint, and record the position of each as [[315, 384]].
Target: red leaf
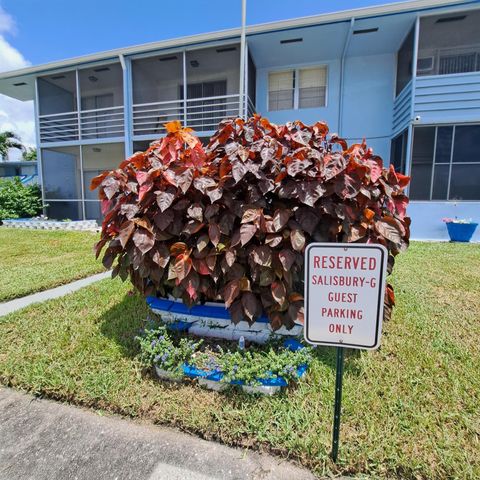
[[250, 305], [280, 219], [96, 181], [262, 256], [177, 248], [110, 186], [297, 239], [251, 214], [247, 231], [126, 230], [238, 171], [278, 292], [231, 292], [182, 266], [195, 211], [142, 177], [165, 199], [287, 259], [184, 180], [214, 233], [143, 239], [375, 164]]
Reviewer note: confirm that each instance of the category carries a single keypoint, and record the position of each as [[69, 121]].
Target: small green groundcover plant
[[170, 351], [18, 200]]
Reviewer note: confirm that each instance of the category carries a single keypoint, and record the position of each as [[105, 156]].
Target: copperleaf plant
[[230, 221]]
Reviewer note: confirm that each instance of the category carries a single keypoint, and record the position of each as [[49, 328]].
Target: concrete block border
[[33, 224]]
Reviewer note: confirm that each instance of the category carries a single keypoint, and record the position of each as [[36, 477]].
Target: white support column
[[342, 76], [126, 64], [79, 109], [408, 161], [246, 82], [185, 90], [36, 113], [242, 60]]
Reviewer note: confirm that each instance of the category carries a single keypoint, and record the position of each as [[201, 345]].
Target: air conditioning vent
[[291, 40], [226, 49], [457, 18], [365, 30], [425, 64]]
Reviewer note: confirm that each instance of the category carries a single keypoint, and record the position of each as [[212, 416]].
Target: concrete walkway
[[44, 440], [60, 291]]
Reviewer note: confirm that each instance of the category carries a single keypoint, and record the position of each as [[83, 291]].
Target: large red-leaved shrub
[[230, 222]]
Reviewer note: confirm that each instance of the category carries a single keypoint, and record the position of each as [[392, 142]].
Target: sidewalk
[[44, 440], [18, 303]]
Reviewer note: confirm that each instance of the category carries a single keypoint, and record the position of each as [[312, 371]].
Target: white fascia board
[[341, 16]]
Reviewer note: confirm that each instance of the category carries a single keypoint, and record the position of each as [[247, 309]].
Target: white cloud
[[7, 24], [15, 115]]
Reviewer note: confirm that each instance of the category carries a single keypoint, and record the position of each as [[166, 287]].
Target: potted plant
[[229, 222], [460, 229]]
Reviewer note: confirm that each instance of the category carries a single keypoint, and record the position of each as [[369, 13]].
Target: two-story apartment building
[[406, 76]]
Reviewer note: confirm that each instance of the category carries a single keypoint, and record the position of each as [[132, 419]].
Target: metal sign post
[[338, 404], [344, 291]]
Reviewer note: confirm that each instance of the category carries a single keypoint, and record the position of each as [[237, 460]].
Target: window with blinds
[[281, 90], [312, 86], [300, 88]]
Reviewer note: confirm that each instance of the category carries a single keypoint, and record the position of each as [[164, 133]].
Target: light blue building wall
[[369, 83]]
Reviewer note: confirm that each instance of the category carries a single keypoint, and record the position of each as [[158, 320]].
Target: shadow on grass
[[124, 321]]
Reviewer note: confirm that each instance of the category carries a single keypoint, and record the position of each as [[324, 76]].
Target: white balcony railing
[[59, 127], [200, 114], [102, 122], [148, 119], [85, 125]]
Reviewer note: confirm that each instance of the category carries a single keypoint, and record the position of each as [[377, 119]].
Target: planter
[[213, 320], [461, 232], [166, 375], [213, 379]]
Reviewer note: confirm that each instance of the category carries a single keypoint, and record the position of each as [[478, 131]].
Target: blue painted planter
[[273, 381], [269, 385], [461, 232]]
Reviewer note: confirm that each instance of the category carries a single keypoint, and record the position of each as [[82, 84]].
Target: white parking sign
[[344, 294]]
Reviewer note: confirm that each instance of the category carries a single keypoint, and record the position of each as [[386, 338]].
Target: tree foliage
[[9, 140], [29, 154], [230, 222], [18, 200]]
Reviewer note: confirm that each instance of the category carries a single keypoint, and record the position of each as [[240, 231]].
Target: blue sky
[[47, 30]]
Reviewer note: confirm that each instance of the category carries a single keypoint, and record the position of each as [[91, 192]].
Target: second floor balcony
[[199, 87]]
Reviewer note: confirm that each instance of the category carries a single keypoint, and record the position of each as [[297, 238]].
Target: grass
[[410, 409], [35, 260]]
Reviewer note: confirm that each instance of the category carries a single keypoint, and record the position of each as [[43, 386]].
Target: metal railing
[[102, 122], [201, 114], [445, 61], [85, 125]]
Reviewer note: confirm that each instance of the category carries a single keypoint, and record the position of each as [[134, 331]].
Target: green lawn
[[35, 260], [411, 409]]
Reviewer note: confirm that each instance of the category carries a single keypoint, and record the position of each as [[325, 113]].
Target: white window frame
[[296, 88]]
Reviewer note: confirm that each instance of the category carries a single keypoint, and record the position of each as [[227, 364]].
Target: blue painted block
[[159, 303]]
